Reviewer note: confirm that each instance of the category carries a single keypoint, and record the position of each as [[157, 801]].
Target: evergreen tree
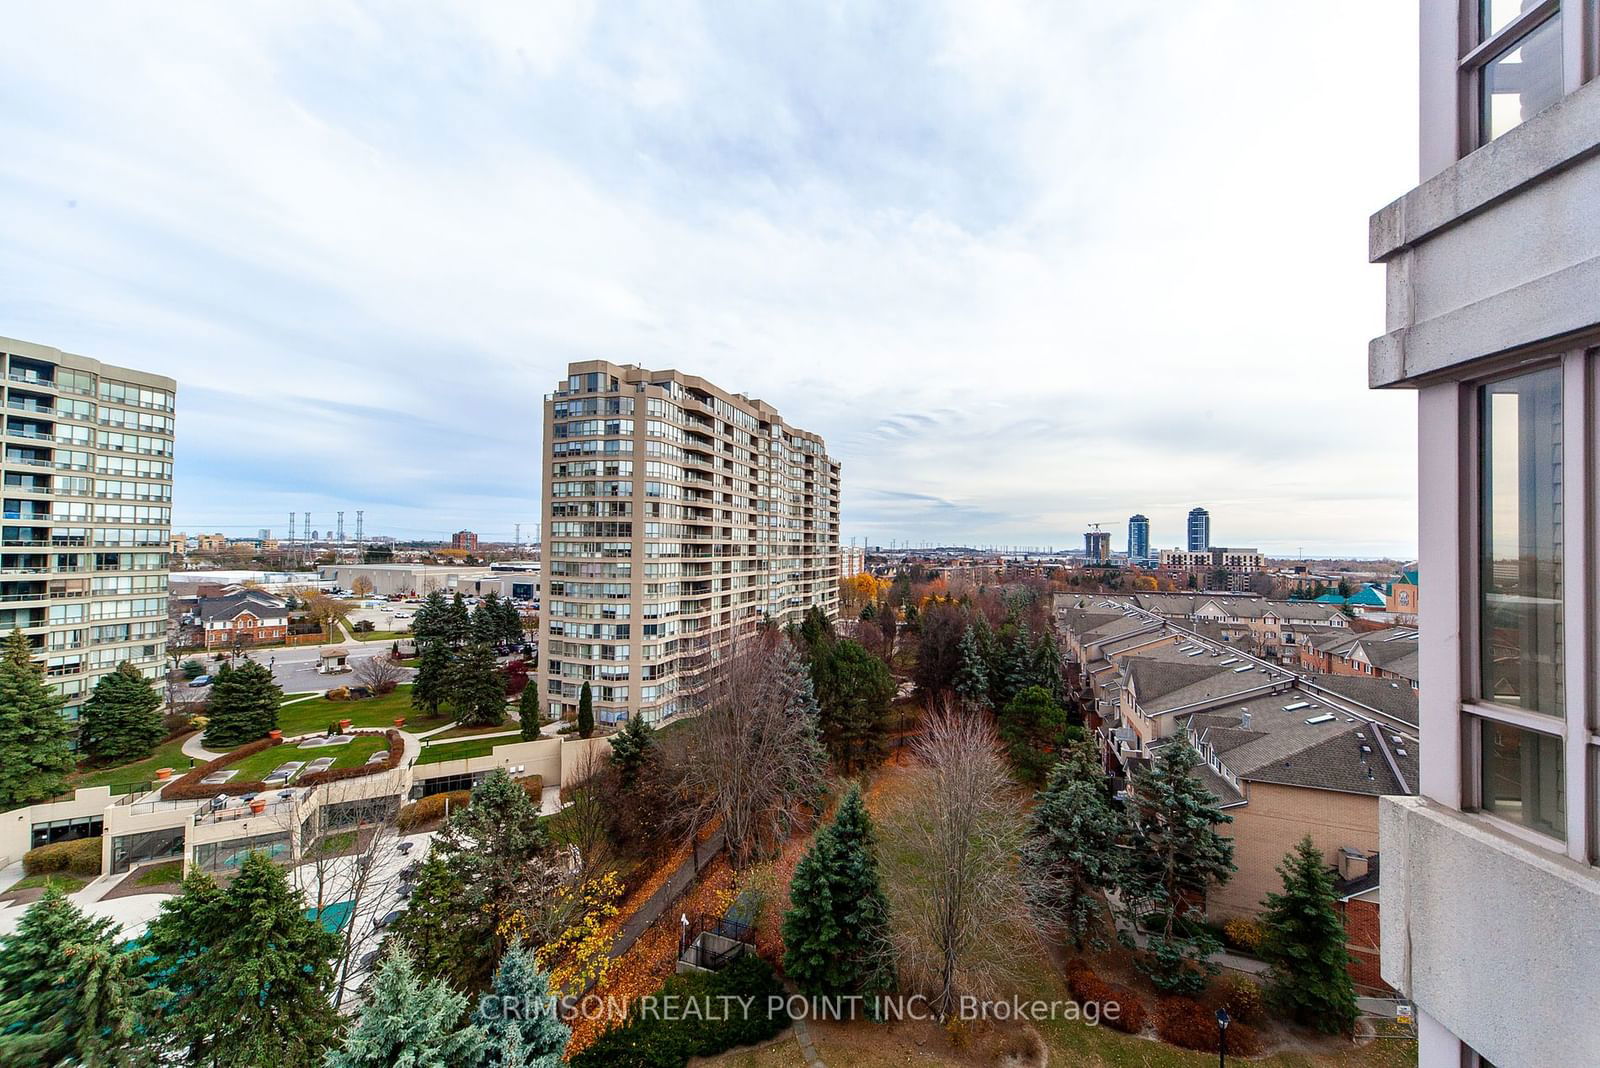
[[477, 689], [409, 1021], [1305, 942], [529, 713], [853, 689], [1046, 667], [445, 939], [1175, 855], [113, 1004], [431, 684], [836, 931], [1013, 672], [631, 747], [487, 626], [35, 755], [1033, 727], [518, 1019], [1071, 852], [40, 1021], [510, 623], [457, 627], [243, 705], [815, 629], [121, 721], [428, 625], [253, 974], [585, 711], [972, 677]]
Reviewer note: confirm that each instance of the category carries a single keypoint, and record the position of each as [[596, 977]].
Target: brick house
[[248, 616]]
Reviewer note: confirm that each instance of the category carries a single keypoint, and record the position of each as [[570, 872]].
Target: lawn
[[433, 754], [474, 732], [296, 696], [160, 874], [314, 716], [69, 884], [167, 755], [258, 766], [379, 635]]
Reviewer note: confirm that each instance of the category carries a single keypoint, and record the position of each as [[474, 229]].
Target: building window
[[1520, 538], [1521, 778], [1516, 67]]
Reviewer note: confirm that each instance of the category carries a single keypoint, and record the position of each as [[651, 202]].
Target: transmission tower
[[306, 536], [291, 532], [339, 537], [360, 541]]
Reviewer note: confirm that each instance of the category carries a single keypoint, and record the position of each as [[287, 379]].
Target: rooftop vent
[[1297, 706], [1247, 667], [1326, 717], [1400, 752]]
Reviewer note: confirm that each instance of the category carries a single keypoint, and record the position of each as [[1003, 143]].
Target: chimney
[[1244, 719], [1352, 864]]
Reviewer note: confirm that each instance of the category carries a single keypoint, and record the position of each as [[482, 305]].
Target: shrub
[[187, 787], [669, 1040], [430, 809], [1242, 997], [78, 857], [338, 693], [1243, 933], [1189, 1024], [1119, 1007]]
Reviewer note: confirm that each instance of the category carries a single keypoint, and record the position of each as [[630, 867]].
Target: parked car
[[200, 680]]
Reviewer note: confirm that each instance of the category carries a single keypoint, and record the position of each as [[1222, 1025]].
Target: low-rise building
[[249, 617]]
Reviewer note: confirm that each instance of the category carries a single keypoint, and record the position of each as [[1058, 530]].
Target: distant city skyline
[[1010, 314]]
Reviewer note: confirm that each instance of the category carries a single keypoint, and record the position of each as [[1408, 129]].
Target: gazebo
[[333, 660]]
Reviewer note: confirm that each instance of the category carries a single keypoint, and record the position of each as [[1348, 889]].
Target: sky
[[1026, 267]]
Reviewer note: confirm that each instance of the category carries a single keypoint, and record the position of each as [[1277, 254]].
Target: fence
[[668, 892]]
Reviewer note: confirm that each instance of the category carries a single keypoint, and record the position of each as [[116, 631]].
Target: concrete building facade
[[1491, 917], [1097, 546], [88, 514], [677, 517]]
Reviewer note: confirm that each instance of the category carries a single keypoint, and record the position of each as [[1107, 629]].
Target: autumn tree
[[362, 586], [327, 612]]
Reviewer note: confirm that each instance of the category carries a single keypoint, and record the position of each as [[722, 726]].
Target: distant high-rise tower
[[1097, 545], [1138, 537], [1199, 530]]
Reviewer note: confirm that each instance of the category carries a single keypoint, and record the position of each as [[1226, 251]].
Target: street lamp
[[1223, 1020]]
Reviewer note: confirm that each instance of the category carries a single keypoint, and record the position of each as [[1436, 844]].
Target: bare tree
[[378, 673], [952, 870], [587, 815], [326, 611], [752, 757], [362, 586]]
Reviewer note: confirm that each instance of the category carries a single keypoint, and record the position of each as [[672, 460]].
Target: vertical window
[[1516, 68], [1520, 579], [1521, 778]]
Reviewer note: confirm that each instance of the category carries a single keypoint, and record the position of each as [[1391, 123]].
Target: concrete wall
[[1497, 939], [16, 826], [1267, 828]]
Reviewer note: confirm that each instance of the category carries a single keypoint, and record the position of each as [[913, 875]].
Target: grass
[[69, 884], [160, 874], [258, 766], [167, 755], [334, 844], [379, 635], [314, 716], [434, 754], [473, 732]]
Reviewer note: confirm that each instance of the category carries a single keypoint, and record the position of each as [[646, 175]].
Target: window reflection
[[1522, 81], [1522, 778], [1520, 606]]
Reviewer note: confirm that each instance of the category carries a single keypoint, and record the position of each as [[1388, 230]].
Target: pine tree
[[529, 713], [1071, 852], [487, 626], [510, 623], [457, 629], [430, 685], [113, 1005], [445, 939], [477, 690], [631, 747], [428, 625], [519, 1020], [972, 677], [1033, 726], [836, 932], [1015, 673], [1305, 942], [585, 711], [1047, 667], [121, 721], [243, 706], [35, 755], [253, 974], [40, 1020], [409, 1021], [853, 689], [1175, 855]]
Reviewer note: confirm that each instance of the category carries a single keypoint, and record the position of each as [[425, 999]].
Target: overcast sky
[[1026, 267]]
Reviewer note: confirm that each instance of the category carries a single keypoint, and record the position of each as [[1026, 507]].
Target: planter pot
[[274, 735], [344, 724], [258, 807], [163, 773], [399, 721]]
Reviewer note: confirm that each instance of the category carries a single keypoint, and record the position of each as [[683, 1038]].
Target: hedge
[[1119, 1007], [1189, 1024], [397, 750], [431, 809], [187, 787], [661, 1040], [78, 857]]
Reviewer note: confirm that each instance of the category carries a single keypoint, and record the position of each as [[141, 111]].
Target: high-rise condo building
[[1199, 530], [677, 517], [88, 514], [1491, 896], [1097, 545], [1138, 537]]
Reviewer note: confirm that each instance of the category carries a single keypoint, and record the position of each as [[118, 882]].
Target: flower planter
[[344, 724], [274, 734], [258, 807], [399, 721], [163, 773]]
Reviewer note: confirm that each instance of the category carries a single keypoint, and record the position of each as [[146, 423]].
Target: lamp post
[[1222, 1037]]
